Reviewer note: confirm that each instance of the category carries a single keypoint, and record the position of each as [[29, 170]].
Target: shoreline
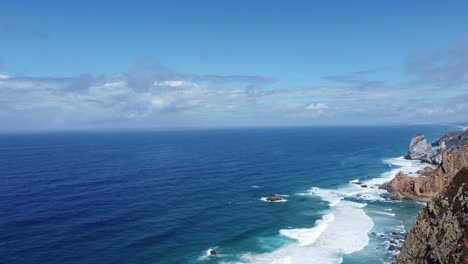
[[347, 217]]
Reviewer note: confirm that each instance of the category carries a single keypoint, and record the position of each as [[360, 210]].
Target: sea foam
[[345, 220], [343, 229], [307, 236]]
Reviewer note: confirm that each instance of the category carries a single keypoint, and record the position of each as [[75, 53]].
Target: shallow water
[[168, 197]]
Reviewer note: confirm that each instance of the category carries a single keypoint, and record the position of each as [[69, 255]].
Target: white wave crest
[[307, 236]]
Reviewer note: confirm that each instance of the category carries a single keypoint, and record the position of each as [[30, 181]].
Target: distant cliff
[[440, 233]]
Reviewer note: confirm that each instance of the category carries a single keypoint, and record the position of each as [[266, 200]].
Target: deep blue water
[[166, 197]]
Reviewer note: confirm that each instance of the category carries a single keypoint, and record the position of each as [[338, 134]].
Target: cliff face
[[424, 187], [440, 233]]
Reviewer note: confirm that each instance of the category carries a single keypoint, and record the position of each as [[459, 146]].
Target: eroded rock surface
[[425, 187], [440, 233], [419, 149]]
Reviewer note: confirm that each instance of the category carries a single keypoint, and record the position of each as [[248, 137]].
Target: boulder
[[213, 252], [419, 149]]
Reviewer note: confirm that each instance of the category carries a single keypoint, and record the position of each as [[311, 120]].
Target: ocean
[[170, 196]]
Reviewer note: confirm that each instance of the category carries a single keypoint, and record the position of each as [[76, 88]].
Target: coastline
[[353, 216], [361, 226]]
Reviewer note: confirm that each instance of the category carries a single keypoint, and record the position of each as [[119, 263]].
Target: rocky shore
[[440, 233], [450, 157]]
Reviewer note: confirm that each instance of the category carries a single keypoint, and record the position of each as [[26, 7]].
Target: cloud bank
[[150, 95]]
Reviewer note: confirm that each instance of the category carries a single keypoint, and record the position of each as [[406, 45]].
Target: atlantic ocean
[[170, 196]]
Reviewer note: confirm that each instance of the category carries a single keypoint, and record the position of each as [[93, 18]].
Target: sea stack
[[419, 149]]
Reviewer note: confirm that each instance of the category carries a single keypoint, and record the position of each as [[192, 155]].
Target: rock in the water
[[213, 252], [392, 247], [274, 198], [419, 149], [363, 185]]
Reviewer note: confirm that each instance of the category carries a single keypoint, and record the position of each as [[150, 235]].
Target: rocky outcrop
[[404, 186], [452, 140], [419, 149], [425, 187], [426, 171], [440, 233], [274, 198], [449, 142], [452, 156]]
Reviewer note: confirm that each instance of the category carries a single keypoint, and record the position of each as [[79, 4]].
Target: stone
[[419, 149], [274, 198]]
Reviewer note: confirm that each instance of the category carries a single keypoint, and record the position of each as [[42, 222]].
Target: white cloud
[[4, 76], [161, 103], [318, 108], [175, 83], [115, 84]]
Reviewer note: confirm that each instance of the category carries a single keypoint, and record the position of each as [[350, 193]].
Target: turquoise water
[[168, 197]]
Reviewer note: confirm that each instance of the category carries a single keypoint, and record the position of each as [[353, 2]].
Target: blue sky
[[176, 64]]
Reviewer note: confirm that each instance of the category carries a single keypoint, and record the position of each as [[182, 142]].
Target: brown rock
[[424, 188], [274, 198], [440, 232], [426, 171]]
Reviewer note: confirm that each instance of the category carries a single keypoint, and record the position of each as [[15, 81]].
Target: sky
[[67, 65]]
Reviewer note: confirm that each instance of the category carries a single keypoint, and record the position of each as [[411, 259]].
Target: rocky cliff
[[440, 233], [419, 149], [452, 160]]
